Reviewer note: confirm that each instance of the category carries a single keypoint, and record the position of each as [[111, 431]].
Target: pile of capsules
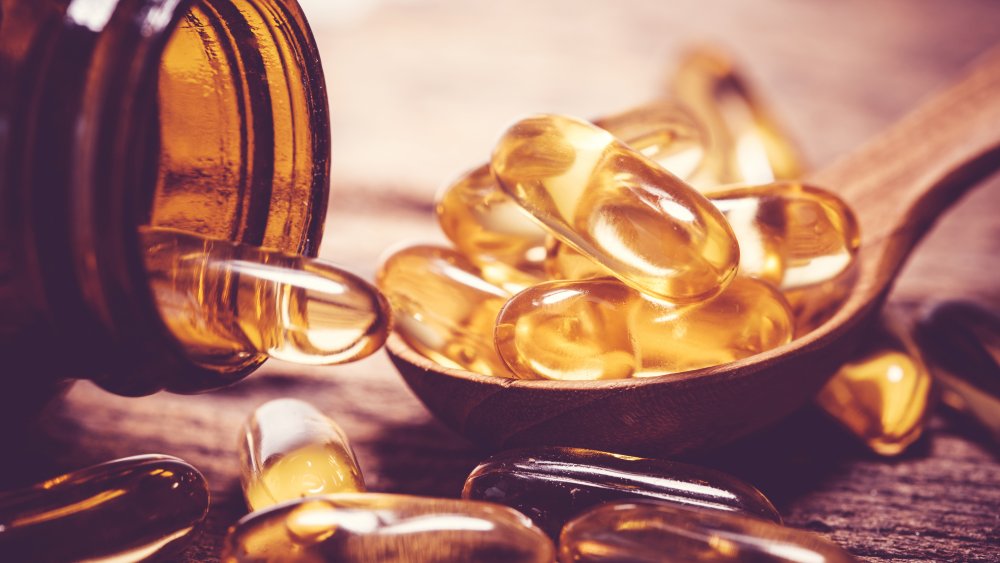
[[307, 492], [665, 239]]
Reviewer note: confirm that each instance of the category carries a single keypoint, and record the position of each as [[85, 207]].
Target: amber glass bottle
[[209, 116]]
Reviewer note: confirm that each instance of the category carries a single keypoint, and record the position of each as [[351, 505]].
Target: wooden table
[[421, 89]]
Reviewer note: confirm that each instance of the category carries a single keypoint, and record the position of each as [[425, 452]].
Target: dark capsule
[[653, 531], [130, 509], [962, 343], [552, 485]]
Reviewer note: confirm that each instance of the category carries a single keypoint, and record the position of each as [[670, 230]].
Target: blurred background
[[421, 89]]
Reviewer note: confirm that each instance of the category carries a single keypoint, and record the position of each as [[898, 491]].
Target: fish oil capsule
[[443, 309], [290, 450], [790, 234], [651, 531], [387, 528], [663, 132], [602, 329], [594, 193], [746, 146], [881, 396], [575, 331], [504, 241], [552, 485], [223, 300], [962, 343], [129, 509], [490, 229]]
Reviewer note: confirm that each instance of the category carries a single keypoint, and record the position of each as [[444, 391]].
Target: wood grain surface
[[419, 91]]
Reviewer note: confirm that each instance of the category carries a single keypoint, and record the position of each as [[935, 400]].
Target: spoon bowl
[[897, 184]]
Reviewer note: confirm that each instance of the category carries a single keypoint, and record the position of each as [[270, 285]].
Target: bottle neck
[[208, 116]]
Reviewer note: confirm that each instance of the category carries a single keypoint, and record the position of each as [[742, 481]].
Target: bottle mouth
[[241, 149], [219, 127], [239, 123]]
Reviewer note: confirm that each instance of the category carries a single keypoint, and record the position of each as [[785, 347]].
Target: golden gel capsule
[[881, 396], [387, 528], [130, 509], [651, 531], [603, 329], [443, 309], [594, 193], [223, 300], [290, 450], [506, 243], [962, 342], [663, 132], [791, 235], [746, 146], [491, 230]]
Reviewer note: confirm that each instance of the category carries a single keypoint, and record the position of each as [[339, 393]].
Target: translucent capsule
[[602, 329], [663, 132], [881, 395], [791, 235], [130, 509], [651, 531], [614, 205], [962, 343], [505, 243], [290, 450], [443, 309], [552, 485], [224, 301], [386, 528], [491, 230], [746, 146]]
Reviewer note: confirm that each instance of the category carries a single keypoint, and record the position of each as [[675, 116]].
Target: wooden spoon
[[898, 184]]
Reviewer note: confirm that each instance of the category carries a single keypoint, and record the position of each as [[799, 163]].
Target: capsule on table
[[504, 241], [222, 300], [962, 343], [443, 309], [746, 145], [602, 329], [290, 450], [551, 485], [652, 531], [387, 528], [129, 509], [882, 394], [594, 193]]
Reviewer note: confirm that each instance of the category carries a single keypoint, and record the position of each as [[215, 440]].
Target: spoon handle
[[902, 180]]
